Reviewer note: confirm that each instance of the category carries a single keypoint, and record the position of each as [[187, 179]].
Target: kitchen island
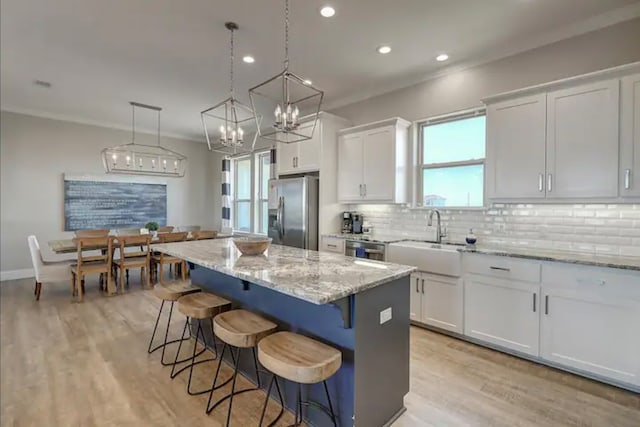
[[358, 306]]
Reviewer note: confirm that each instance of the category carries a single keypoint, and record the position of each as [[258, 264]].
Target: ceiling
[[99, 55]]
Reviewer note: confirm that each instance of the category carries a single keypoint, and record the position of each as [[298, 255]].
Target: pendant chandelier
[[141, 159], [287, 94], [226, 124]]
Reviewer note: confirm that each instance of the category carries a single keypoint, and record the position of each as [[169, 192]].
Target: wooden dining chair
[[138, 259], [92, 233], [204, 234], [161, 259], [94, 264], [166, 229]]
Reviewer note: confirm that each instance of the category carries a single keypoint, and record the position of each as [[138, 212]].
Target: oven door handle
[[374, 251]]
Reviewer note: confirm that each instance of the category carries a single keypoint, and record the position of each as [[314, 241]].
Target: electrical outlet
[[385, 315]]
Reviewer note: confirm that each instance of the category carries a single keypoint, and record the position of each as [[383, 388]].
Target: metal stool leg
[[274, 378], [333, 414], [166, 335], [192, 358]]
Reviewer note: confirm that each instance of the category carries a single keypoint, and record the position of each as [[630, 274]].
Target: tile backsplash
[[602, 228]]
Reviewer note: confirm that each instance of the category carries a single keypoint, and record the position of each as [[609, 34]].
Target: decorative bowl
[[252, 245]]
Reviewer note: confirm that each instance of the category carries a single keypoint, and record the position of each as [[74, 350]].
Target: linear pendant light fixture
[[226, 124], [142, 159], [287, 94]]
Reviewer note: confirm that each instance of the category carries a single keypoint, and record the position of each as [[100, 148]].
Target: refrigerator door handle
[[281, 217]]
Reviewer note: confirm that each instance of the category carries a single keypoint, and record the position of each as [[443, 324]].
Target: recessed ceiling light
[[384, 49], [249, 59], [327, 11], [308, 82], [442, 57]]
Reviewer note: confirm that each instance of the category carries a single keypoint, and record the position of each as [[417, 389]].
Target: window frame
[[260, 198], [255, 199], [234, 193], [421, 166]]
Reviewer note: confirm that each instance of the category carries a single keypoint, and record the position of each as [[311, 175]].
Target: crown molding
[[513, 48], [91, 122]]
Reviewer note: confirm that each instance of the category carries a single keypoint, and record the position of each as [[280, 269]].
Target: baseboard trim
[[16, 274]]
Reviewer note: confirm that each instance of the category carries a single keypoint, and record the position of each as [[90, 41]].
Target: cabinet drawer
[[503, 267], [606, 282], [332, 244]]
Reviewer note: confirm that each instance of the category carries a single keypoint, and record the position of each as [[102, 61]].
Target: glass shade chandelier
[[142, 159], [226, 124], [287, 94]]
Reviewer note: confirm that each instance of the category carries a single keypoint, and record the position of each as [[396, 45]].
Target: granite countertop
[[315, 277], [612, 261], [376, 238], [583, 258]]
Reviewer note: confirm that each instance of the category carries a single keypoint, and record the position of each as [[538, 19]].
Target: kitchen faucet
[[439, 233]]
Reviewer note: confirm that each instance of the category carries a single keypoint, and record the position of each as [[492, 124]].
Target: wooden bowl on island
[[252, 245]]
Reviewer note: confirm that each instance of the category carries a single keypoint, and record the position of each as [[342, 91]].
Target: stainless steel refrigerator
[[293, 212]]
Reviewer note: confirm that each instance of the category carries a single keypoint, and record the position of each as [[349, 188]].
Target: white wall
[[36, 152], [605, 48]]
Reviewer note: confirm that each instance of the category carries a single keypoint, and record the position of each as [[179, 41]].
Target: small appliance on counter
[[358, 221], [347, 222]]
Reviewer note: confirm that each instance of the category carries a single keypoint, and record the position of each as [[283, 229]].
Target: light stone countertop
[[582, 258], [315, 277]]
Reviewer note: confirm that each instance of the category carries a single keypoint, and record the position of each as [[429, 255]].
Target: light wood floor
[[67, 364]]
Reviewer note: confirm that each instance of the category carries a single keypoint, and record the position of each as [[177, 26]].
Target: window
[[250, 191], [242, 194], [263, 161], [452, 152]]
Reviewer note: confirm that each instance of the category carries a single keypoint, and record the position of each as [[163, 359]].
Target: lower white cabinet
[[437, 301], [591, 320], [502, 312], [332, 244]]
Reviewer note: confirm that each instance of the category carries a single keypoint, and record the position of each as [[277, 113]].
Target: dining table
[[67, 246]]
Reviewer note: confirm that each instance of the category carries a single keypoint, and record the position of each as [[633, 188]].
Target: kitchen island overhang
[[358, 306]]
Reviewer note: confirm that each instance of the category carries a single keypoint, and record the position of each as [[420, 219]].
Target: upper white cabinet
[[299, 157], [572, 140], [630, 137], [516, 148], [373, 164], [590, 318], [582, 141]]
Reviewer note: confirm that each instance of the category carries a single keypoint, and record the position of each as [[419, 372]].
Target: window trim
[[259, 197], [255, 190], [421, 167]]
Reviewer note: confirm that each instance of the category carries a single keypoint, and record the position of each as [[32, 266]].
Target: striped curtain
[[226, 194]]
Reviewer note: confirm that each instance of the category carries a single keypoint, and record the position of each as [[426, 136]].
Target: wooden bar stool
[[169, 292], [301, 360], [199, 306], [240, 329]]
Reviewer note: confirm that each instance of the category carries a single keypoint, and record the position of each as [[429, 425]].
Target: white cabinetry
[[437, 301], [630, 137], [516, 148], [582, 141], [576, 139], [590, 320], [332, 244], [501, 305], [373, 163], [303, 156]]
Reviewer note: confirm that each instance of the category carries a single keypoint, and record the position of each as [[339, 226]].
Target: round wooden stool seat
[[202, 305], [298, 358], [242, 328], [174, 290]]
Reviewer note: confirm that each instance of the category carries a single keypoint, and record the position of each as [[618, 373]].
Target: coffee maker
[[347, 222], [358, 222], [352, 222]]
